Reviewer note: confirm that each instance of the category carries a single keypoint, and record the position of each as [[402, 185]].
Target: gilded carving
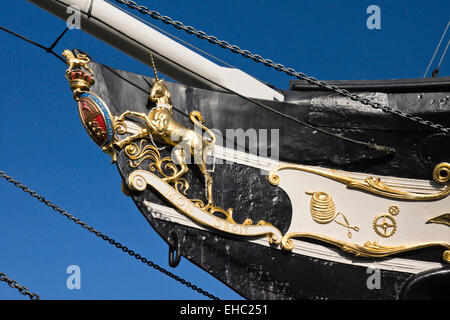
[[442, 219], [370, 249], [167, 175], [323, 211], [160, 125], [76, 62], [374, 185], [140, 179], [385, 224]]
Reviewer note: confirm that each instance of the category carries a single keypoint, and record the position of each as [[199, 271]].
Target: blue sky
[[43, 144]]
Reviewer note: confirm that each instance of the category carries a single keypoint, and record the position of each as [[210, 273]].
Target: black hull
[[258, 272]]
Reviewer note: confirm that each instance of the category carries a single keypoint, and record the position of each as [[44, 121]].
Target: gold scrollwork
[[138, 153], [369, 249], [441, 174], [140, 179], [442, 219]]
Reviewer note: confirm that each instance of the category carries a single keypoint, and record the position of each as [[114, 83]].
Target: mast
[[131, 36]]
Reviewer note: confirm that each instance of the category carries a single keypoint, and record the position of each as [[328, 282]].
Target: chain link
[[105, 237], [278, 66], [15, 285]]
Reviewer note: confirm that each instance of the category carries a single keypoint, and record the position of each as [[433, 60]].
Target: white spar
[[133, 37]]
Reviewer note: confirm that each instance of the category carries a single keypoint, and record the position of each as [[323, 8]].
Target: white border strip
[[301, 247]]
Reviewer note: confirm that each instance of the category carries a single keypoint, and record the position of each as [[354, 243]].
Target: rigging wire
[[118, 245], [23, 290], [47, 49], [436, 71], [15, 285], [443, 54], [234, 49], [437, 48], [106, 238], [103, 236], [57, 40], [278, 66], [170, 35], [292, 118], [367, 144]]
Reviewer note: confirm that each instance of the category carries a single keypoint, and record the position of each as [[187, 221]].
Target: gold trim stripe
[[370, 184], [369, 249]]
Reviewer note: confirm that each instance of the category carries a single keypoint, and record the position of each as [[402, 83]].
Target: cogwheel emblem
[[394, 210], [384, 225]]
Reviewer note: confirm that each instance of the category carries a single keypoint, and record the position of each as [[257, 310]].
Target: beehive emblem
[[323, 211]]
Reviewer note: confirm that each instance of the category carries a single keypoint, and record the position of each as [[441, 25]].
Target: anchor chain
[[15, 285], [278, 66], [105, 237]]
